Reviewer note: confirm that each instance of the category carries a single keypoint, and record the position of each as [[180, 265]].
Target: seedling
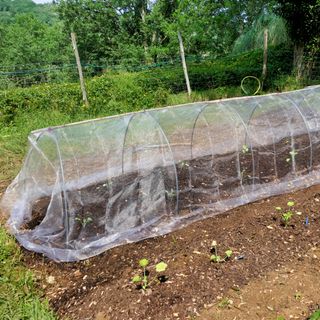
[[288, 213], [170, 193], [245, 149], [292, 154], [144, 281], [298, 295], [183, 164], [225, 303], [84, 221], [215, 257]]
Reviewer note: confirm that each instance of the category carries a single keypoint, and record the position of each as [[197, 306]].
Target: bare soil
[[266, 256]]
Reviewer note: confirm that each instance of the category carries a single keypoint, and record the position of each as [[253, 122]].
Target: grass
[[19, 297]]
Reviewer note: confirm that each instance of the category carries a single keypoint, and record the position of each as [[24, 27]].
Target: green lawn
[[19, 297]]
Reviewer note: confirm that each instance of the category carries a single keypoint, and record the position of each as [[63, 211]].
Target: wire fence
[[25, 75]]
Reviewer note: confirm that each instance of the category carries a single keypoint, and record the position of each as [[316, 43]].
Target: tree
[[96, 24], [303, 20]]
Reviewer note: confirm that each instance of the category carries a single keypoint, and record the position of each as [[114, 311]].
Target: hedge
[[114, 93]]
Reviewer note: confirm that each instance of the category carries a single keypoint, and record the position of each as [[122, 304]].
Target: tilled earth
[[100, 288]]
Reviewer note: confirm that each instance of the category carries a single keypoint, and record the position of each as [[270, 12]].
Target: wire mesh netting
[[89, 186]]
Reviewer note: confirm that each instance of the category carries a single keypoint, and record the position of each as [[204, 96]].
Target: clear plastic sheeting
[[90, 186]]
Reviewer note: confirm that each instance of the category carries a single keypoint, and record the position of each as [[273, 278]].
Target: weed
[[144, 280], [215, 257], [225, 303]]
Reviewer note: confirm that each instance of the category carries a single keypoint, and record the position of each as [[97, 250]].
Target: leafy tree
[[96, 24], [10, 8], [303, 20], [253, 37]]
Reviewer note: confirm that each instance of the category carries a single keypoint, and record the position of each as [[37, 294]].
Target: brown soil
[[101, 288], [201, 181]]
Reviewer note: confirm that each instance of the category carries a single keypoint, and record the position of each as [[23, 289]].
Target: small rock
[[77, 273], [50, 279]]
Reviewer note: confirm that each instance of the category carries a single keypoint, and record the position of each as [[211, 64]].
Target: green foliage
[[144, 280], [215, 257], [228, 71], [27, 41], [302, 17], [253, 37], [84, 221], [287, 214], [114, 93], [10, 8], [18, 294], [315, 315]]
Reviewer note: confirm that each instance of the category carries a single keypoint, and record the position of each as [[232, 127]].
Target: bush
[[115, 93], [228, 71]]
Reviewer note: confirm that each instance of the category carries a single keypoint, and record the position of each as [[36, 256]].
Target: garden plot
[[90, 186]]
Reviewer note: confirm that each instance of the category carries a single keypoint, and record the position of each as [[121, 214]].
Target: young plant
[[84, 221], [245, 149], [215, 257], [170, 193], [292, 154], [183, 164], [287, 214], [144, 281]]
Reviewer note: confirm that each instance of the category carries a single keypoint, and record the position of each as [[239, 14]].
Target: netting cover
[[90, 186]]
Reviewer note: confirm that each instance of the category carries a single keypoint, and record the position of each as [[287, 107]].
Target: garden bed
[[101, 288], [201, 183]]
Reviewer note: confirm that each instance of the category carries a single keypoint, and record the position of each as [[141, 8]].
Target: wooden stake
[[265, 54], [76, 53], [184, 65]]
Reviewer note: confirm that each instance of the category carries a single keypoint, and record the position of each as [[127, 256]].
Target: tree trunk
[[143, 19], [298, 59]]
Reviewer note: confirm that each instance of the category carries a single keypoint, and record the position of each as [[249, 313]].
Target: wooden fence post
[[265, 54], [184, 65], [76, 53]]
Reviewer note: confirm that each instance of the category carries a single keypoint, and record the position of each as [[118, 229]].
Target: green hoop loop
[[251, 77]]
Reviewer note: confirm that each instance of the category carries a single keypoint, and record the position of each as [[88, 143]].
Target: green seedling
[[245, 149], [287, 213], [292, 154], [183, 164], [215, 257], [144, 281], [84, 221], [281, 318], [286, 218], [225, 303], [170, 193], [298, 295]]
